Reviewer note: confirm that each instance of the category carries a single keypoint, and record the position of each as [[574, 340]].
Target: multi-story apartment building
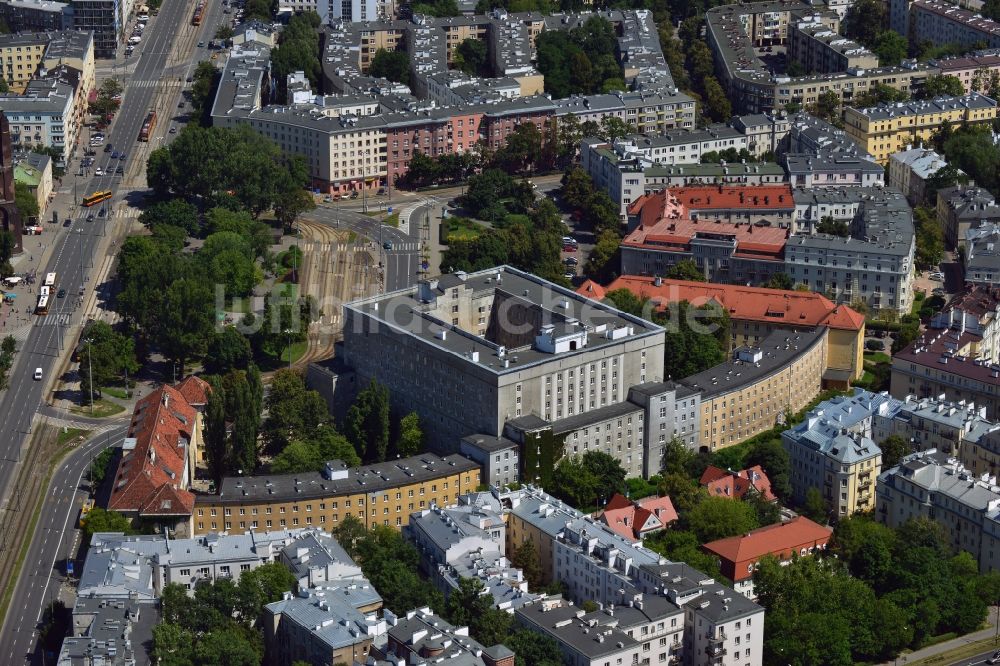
[[36, 15], [734, 32], [964, 208], [753, 392], [720, 624], [649, 631], [954, 429], [932, 485], [97, 628], [942, 23], [756, 312], [332, 11], [873, 265], [738, 555], [817, 154], [315, 558], [35, 173], [890, 128], [444, 534], [20, 56], [819, 49], [982, 255], [422, 637], [976, 70], [664, 232], [957, 356], [106, 19], [332, 624], [832, 451], [139, 567], [498, 456], [910, 169], [73, 50], [379, 494], [766, 131], [475, 352]]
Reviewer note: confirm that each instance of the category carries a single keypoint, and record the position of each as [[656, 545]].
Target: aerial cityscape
[[499, 332]]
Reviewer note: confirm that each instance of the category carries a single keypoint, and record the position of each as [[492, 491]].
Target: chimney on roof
[[166, 399]]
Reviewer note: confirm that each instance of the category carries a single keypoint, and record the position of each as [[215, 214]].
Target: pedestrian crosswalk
[[317, 246], [127, 213], [406, 247], [151, 83]]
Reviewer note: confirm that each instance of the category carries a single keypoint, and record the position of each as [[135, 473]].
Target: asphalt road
[[72, 259], [54, 541], [402, 260], [974, 661]]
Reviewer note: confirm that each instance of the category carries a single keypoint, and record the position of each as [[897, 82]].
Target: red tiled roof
[[734, 485], [632, 520], [781, 539], [743, 303], [748, 197], [151, 476], [195, 390]]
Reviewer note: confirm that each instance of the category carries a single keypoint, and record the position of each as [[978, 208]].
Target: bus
[[96, 198], [43, 305], [44, 291], [147, 126], [198, 12], [50, 280]]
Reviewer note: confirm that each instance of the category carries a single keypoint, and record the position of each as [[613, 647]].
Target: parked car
[[937, 276], [99, 171], [569, 248], [108, 148], [571, 261], [995, 659], [938, 292], [120, 171], [173, 130], [67, 222]]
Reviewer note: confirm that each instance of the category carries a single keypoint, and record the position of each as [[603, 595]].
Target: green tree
[[864, 22], [107, 357], [367, 422], [890, 47], [773, 459], [175, 212], [172, 645], [589, 480], [216, 436], [937, 86], [833, 227], [391, 65], [294, 411], [614, 128], [186, 321], [102, 520], [717, 104], [894, 447], [827, 107], [296, 458], [720, 517], [228, 350], [532, 648], [815, 507], [525, 558], [411, 437], [779, 281], [685, 269], [472, 57], [25, 201]]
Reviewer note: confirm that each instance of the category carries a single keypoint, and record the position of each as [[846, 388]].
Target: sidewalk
[[941, 650]]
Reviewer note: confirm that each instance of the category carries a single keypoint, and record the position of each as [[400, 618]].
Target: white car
[[38, 374], [99, 172], [937, 276]]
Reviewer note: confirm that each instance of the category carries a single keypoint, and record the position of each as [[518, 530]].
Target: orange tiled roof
[[779, 539], [804, 308], [151, 476], [734, 485], [676, 233]]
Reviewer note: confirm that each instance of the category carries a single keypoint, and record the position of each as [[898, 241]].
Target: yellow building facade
[[20, 56], [890, 128], [380, 494]]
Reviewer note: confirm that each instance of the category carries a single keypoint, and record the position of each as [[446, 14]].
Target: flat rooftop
[[314, 485], [560, 310]]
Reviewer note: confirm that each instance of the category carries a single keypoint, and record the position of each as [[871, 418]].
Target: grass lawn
[[115, 392], [391, 220], [877, 357], [296, 351], [866, 378], [462, 229], [102, 409], [70, 434]]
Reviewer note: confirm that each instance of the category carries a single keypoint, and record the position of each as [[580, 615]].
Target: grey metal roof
[[408, 314], [594, 635], [365, 479], [330, 614]]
